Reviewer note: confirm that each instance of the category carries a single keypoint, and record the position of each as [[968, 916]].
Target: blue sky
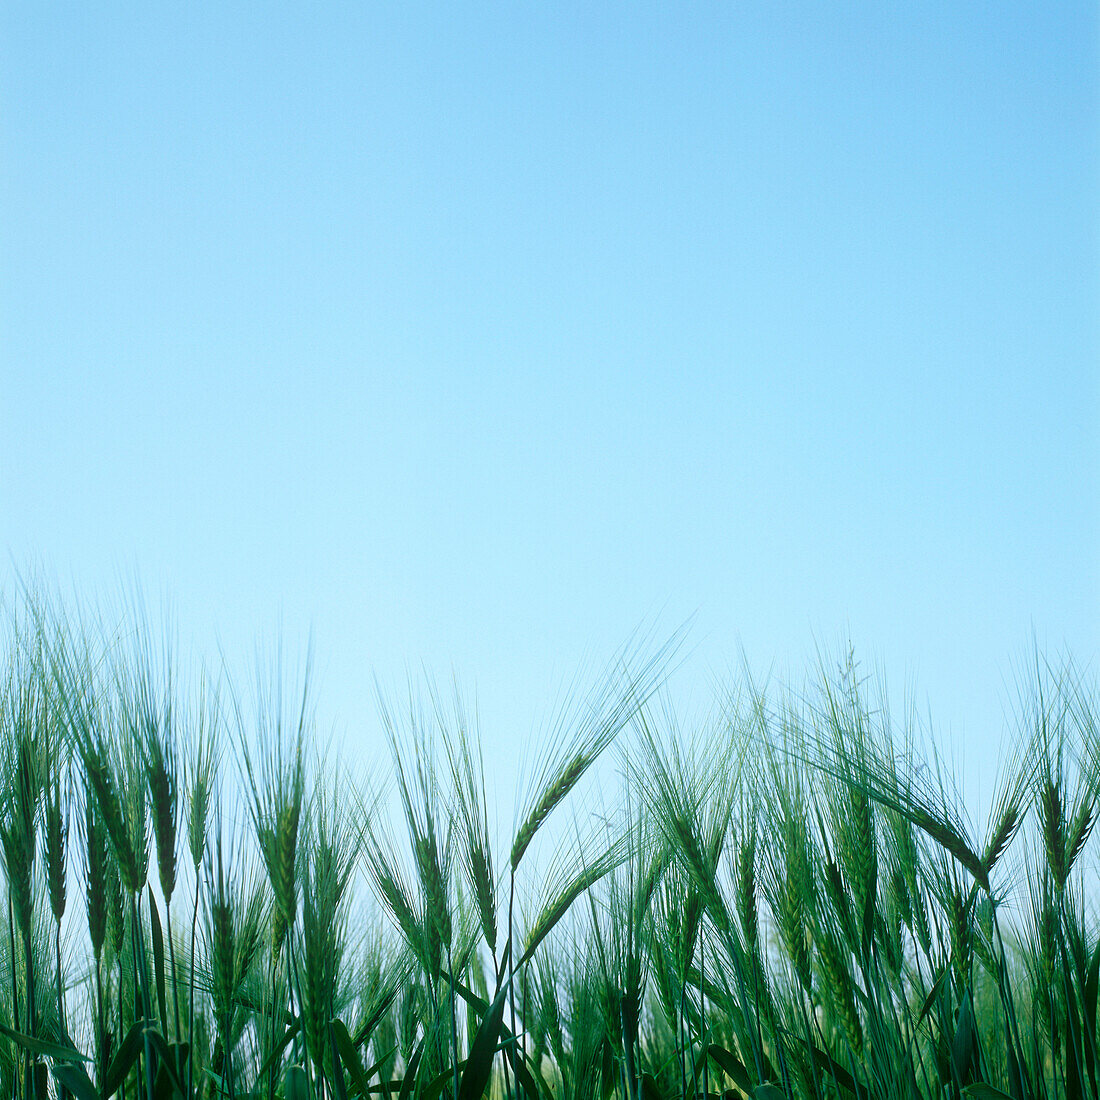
[[472, 336]]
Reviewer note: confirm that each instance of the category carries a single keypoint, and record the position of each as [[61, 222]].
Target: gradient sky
[[472, 336]]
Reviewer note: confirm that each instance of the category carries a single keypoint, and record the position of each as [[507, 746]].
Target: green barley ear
[[960, 914], [276, 820], [1079, 831], [254, 918], [116, 914], [982, 934], [196, 825], [561, 783], [55, 841], [28, 780], [791, 883], [414, 766], [564, 891], [197, 818], [433, 883], [688, 791], [274, 769], [278, 932], [1045, 921], [396, 896], [17, 856], [103, 786], [136, 804], [1002, 835], [597, 721], [793, 903], [408, 1020], [333, 845], [201, 764], [95, 876], [315, 985], [550, 1014], [685, 935], [836, 888], [235, 920], [284, 879], [161, 776], [892, 916], [899, 892], [468, 775], [222, 947], [57, 787], [480, 870], [840, 988], [848, 753], [1054, 830], [859, 850]]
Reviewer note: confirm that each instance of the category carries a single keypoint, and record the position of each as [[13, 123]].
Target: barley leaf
[[74, 1077], [56, 1051], [124, 1059], [408, 1082], [732, 1067], [979, 1090], [480, 1063], [349, 1057]]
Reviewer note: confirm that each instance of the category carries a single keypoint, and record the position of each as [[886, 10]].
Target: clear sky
[[474, 335]]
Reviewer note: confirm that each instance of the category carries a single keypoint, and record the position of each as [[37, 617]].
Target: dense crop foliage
[[785, 902]]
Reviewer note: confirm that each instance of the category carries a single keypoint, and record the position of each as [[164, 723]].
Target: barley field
[[784, 902]]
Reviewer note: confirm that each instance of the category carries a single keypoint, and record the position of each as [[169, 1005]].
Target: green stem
[[62, 1091], [32, 1011], [101, 1066], [60, 989], [137, 945], [511, 976], [121, 1014], [172, 964], [14, 968], [274, 1026], [296, 995], [191, 996]]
